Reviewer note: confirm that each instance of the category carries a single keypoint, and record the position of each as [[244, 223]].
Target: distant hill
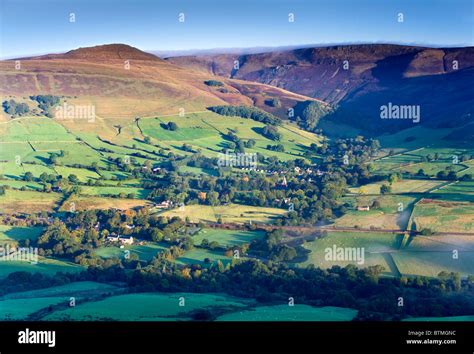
[[358, 79], [123, 81], [101, 52]]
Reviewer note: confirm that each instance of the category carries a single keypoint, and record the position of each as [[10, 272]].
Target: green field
[[198, 255], [444, 216], [401, 186], [139, 193], [81, 173], [227, 237], [19, 309], [149, 307], [15, 201], [291, 313], [387, 216], [13, 234], [378, 248], [205, 131], [77, 289], [46, 266], [422, 255], [235, 213], [144, 252], [413, 160], [83, 202], [431, 263]]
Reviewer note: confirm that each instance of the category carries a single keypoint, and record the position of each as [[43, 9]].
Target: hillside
[[372, 76], [123, 82]]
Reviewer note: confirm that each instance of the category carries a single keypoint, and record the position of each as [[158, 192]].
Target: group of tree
[[246, 112], [14, 108], [308, 113], [214, 83]]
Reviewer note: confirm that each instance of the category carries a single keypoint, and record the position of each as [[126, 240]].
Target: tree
[[213, 83], [426, 232], [28, 177], [384, 189], [213, 198], [452, 176], [73, 179], [392, 178], [271, 133], [441, 175], [172, 126], [43, 177]]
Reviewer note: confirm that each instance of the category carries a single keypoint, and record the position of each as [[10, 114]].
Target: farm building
[[363, 208], [164, 204]]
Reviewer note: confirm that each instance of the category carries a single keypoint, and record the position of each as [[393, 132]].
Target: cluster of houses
[[124, 240], [297, 170], [154, 170], [166, 204]]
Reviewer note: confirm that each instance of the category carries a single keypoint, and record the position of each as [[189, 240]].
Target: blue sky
[[35, 27]]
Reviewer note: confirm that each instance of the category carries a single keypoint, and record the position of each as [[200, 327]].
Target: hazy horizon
[[33, 28], [232, 50]]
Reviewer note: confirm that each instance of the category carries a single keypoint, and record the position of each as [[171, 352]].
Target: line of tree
[[246, 112]]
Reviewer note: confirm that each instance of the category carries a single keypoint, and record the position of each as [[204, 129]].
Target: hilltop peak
[[110, 51], [116, 51]]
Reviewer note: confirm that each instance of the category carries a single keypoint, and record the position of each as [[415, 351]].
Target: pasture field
[[412, 161], [291, 313], [401, 186], [227, 237], [206, 131], [76, 289], [457, 192], [198, 256], [197, 171], [81, 173], [232, 213], [377, 249], [9, 150], [32, 186], [431, 263], [20, 309], [139, 193], [417, 137], [144, 252], [90, 203], [385, 217], [13, 234], [458, 187], [13, 171], [429, 255], [28, 202], [421, 255], [149, 307], [47, 266], [443, 216], [36, 130], [445, 243]]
